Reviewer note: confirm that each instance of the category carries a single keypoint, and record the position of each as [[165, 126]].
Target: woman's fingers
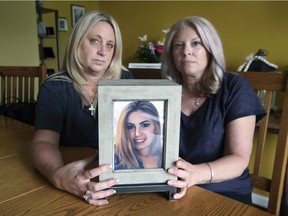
[[180, 173], [99, 191], [178, 183], [98, 186], [103, 194], [182, 164], [180, 194], [92, 173], [98, 202]]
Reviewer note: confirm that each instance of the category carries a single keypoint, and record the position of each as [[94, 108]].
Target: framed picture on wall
[[139, 123], [77, 12], [62, 24]]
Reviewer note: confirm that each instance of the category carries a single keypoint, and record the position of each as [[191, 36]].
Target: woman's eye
[[110, 46], [130, 127], [95, 41], [196, 43], [145, 125], [178, 45]]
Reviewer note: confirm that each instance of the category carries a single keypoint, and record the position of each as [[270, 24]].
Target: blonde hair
[[72, 60], [213, 76], [128, 155]]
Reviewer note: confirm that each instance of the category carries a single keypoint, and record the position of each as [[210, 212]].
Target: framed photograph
[[139, 123], [62, 24], [77, 12]]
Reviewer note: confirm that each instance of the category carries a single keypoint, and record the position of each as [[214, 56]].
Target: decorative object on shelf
[[41, 28], [150, 52], [48, 53], [62, 24], [50, 31], [77, 12], [258, 62]]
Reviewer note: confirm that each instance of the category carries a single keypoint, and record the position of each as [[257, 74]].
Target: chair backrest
[[269, 82], [20, 82]]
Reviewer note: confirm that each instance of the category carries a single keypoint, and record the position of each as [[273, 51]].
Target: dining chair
[[269, 82], [21, 82], [19, 88]]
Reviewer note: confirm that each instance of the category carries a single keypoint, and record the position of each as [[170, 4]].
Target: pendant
[[197, 101], [92, 109]]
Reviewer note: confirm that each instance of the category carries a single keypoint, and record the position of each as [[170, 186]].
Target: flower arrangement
[[150, 52]]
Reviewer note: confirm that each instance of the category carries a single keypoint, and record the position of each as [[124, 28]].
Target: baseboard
[[260, 200]]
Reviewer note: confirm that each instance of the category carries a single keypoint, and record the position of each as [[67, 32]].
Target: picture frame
[[77, 11], [62, 24], [110, 92]]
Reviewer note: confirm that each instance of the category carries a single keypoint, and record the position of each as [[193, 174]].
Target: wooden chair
[[271, 81], [20, 82]]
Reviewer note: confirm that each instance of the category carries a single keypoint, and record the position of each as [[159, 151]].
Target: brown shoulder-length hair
[[213, 76], [128, 155]]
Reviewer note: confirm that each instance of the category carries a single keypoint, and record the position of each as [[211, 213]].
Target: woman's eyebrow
[[145, 121]]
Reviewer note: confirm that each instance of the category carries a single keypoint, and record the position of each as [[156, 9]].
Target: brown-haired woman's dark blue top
[[202, 134]]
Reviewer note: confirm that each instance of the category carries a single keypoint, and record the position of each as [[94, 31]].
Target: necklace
[[196, 101], [87, 96], [92, 109]]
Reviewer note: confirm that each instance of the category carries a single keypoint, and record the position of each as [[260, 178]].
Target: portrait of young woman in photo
[[138, 140]]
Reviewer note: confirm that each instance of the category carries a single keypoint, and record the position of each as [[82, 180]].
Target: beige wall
[[18, 31], [18, 34], [244, 26]]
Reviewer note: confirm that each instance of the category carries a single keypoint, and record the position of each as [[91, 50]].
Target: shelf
[[47, 10], [52, 33], [47, 36], [144, 66]]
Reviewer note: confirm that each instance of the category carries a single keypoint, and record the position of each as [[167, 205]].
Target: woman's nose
[[101, 49], [138, 131], [187, 50]]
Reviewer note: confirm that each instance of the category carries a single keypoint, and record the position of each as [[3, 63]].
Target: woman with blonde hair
[[138, 138], [66, 112]]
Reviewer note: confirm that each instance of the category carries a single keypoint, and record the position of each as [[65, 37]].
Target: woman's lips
[[139, 140]]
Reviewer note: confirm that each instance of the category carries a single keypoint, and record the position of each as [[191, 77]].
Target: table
[[23, 191]]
